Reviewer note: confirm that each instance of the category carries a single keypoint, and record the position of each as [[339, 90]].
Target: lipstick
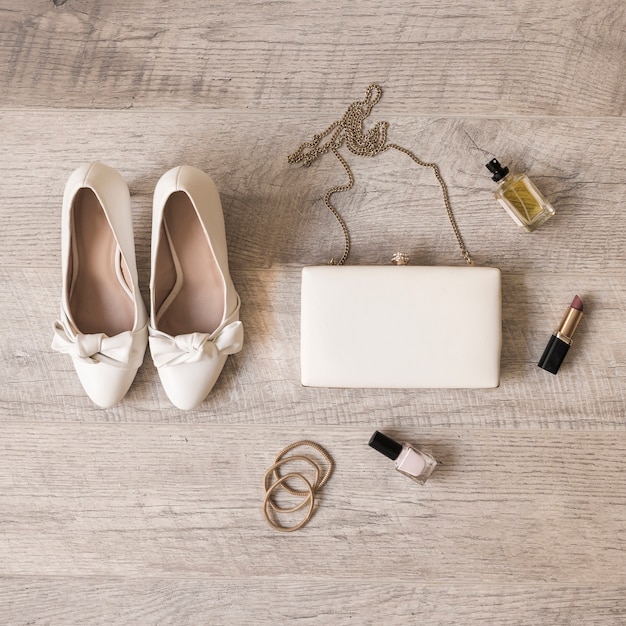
[[561, 340]]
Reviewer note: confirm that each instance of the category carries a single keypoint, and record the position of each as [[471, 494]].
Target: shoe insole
[[198, 304], [99, 303]]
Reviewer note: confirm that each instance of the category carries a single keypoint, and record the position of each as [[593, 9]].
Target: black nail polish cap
[[385, 445], [497, 170]]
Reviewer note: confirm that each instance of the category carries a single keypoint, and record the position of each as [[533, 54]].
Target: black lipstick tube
[[561, 340]]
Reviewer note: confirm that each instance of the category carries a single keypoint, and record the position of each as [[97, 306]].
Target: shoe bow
[[193, 347], [96, 348]]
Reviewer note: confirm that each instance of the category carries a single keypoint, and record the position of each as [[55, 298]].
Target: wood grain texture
[[185, 500], [579, 164], [145, 514], [561, 58], [272, 601], [261, 385]]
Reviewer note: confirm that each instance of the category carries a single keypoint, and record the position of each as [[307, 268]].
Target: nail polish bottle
[[410, 461], [519, 197]]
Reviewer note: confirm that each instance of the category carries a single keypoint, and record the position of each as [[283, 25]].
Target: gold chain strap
[[349, 131]]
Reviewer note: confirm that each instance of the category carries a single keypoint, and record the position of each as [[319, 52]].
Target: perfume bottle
[[410, 461], [519, 197]]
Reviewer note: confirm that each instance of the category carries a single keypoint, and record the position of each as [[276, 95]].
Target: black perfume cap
[[385, 445], [497, 170]]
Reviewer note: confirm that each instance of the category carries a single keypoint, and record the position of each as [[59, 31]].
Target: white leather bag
[[402, 327], [385, 326]]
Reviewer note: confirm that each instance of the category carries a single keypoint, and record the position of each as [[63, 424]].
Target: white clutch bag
[[407, 327], [395, 327]]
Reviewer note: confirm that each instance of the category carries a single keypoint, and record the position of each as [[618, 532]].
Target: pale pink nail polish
[[410, 461]]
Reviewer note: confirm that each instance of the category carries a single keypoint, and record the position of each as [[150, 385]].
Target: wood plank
[[278, 600], [183, 500], [561, 58], [146, 514], [577, 163], [261, 384]]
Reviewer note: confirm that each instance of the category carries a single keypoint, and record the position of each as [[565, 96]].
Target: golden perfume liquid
[[520, 198]]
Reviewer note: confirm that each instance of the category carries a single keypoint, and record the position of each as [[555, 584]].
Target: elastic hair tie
[[279, 483], [322, 474], [311, 444]]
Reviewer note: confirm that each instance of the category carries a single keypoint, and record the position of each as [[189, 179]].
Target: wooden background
[[144, 514]]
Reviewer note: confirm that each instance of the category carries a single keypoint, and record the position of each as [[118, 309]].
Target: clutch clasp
[[400, 258]]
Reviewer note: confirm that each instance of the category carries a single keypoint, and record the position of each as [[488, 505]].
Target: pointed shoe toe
[[194, 320], [106, 385], [188, 384], [103, 324]]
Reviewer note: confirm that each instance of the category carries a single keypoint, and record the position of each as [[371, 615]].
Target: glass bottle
[[410, 461], [519, 197]]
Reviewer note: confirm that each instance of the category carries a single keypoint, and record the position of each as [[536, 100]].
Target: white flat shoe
[[194, 319], [103, 323]]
